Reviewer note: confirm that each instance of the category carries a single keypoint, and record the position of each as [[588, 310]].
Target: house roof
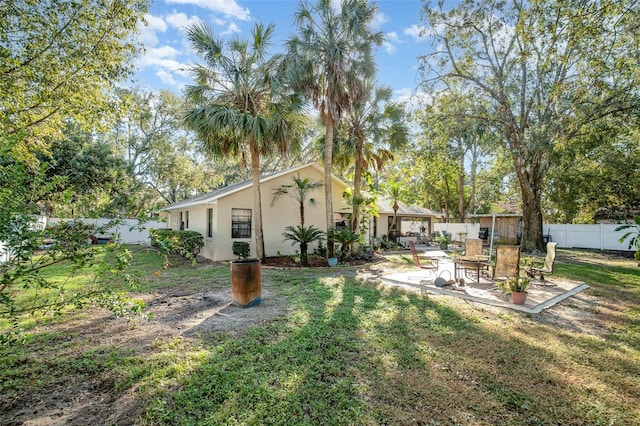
[[385, 206], [212, 196]]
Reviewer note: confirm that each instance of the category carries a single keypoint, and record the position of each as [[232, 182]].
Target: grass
[[358, 354]]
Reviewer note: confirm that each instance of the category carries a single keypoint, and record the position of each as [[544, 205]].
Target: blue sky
[[168, 53]]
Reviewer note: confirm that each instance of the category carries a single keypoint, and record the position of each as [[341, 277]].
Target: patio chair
[[472, 259], [547, 267], [473, 248], [507, 262], [431, 264]]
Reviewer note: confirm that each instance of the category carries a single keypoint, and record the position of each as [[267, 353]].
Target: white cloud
[[218, 21], [162, 52], [163, 59], [231, 29], [417, 32], [389, 40], [180, 20], [226, 7], [147, 33], [392, 37], [378, 19], [167, 78], [388, 47]]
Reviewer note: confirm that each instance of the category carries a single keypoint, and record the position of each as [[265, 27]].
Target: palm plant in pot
[[517, 286]]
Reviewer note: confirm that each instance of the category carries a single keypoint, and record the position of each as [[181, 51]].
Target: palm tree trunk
[[357, 182], [257, 199], [328, 192]]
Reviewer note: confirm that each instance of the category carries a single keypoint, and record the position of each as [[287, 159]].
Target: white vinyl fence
[[459, 231], [599, 236], [602, 236], [129, 231], [4, 252]]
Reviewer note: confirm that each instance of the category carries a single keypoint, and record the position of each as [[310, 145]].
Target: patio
[[485, 291]]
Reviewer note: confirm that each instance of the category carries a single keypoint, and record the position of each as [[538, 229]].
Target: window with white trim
[[240, 223], [209, 223]]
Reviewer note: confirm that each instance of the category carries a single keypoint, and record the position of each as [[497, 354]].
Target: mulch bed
[[314, 262]]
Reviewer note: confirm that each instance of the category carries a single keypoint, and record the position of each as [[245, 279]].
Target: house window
[[181, 224], [187, 219], [209, 223], [240, 223]]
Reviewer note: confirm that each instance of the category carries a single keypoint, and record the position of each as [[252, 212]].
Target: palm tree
[[239, 103], [393, 189], [303, 235], [327, 57], [299, 192], [375, 127]]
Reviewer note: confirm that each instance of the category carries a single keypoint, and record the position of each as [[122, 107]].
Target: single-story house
[[413, 221], [226, 214]]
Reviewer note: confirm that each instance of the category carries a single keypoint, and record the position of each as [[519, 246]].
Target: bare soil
[[184, 315]]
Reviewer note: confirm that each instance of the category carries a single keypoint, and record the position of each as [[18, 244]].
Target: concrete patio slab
[[539, 297]]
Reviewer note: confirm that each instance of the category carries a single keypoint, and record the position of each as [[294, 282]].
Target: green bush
[[158, 235], [241, 249], [185, 243]]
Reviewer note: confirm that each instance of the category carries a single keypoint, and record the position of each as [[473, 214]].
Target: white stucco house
[[226, 214]]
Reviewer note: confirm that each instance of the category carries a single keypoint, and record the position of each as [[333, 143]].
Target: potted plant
[[246, 277], [443, 241], [517, 286], [241, 249]]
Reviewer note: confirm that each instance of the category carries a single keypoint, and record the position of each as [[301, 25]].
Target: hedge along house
[[414, 222], [225, 215]]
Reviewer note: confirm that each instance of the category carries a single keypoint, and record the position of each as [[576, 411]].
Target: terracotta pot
[[246, 282], [519, 298]]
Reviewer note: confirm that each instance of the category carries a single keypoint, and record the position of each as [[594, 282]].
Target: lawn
[[327, 347]]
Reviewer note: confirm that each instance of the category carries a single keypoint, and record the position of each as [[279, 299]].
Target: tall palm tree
[[393, 190], [374, 128], [327, 56], [239, 103], [299, 191]]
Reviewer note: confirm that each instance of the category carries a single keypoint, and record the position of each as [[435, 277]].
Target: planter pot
[[246, 282], [444, 246], [333, 261], [518, 298]]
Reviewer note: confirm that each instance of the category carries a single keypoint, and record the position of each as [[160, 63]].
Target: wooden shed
[[507, 228]]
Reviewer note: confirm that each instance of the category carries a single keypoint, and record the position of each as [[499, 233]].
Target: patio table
[[462, 263]]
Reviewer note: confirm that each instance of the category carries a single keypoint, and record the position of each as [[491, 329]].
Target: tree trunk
[[357, 183], [473, 171], [302, 214], [328, 192], [529, 171], [257, 200], [532, 223], [461, 193]]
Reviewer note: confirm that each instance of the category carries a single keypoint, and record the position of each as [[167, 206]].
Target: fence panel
[[459, 231], [602, 236], [130, 231]]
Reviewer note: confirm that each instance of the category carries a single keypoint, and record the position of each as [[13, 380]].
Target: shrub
[[241, 249], [185, 243]]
